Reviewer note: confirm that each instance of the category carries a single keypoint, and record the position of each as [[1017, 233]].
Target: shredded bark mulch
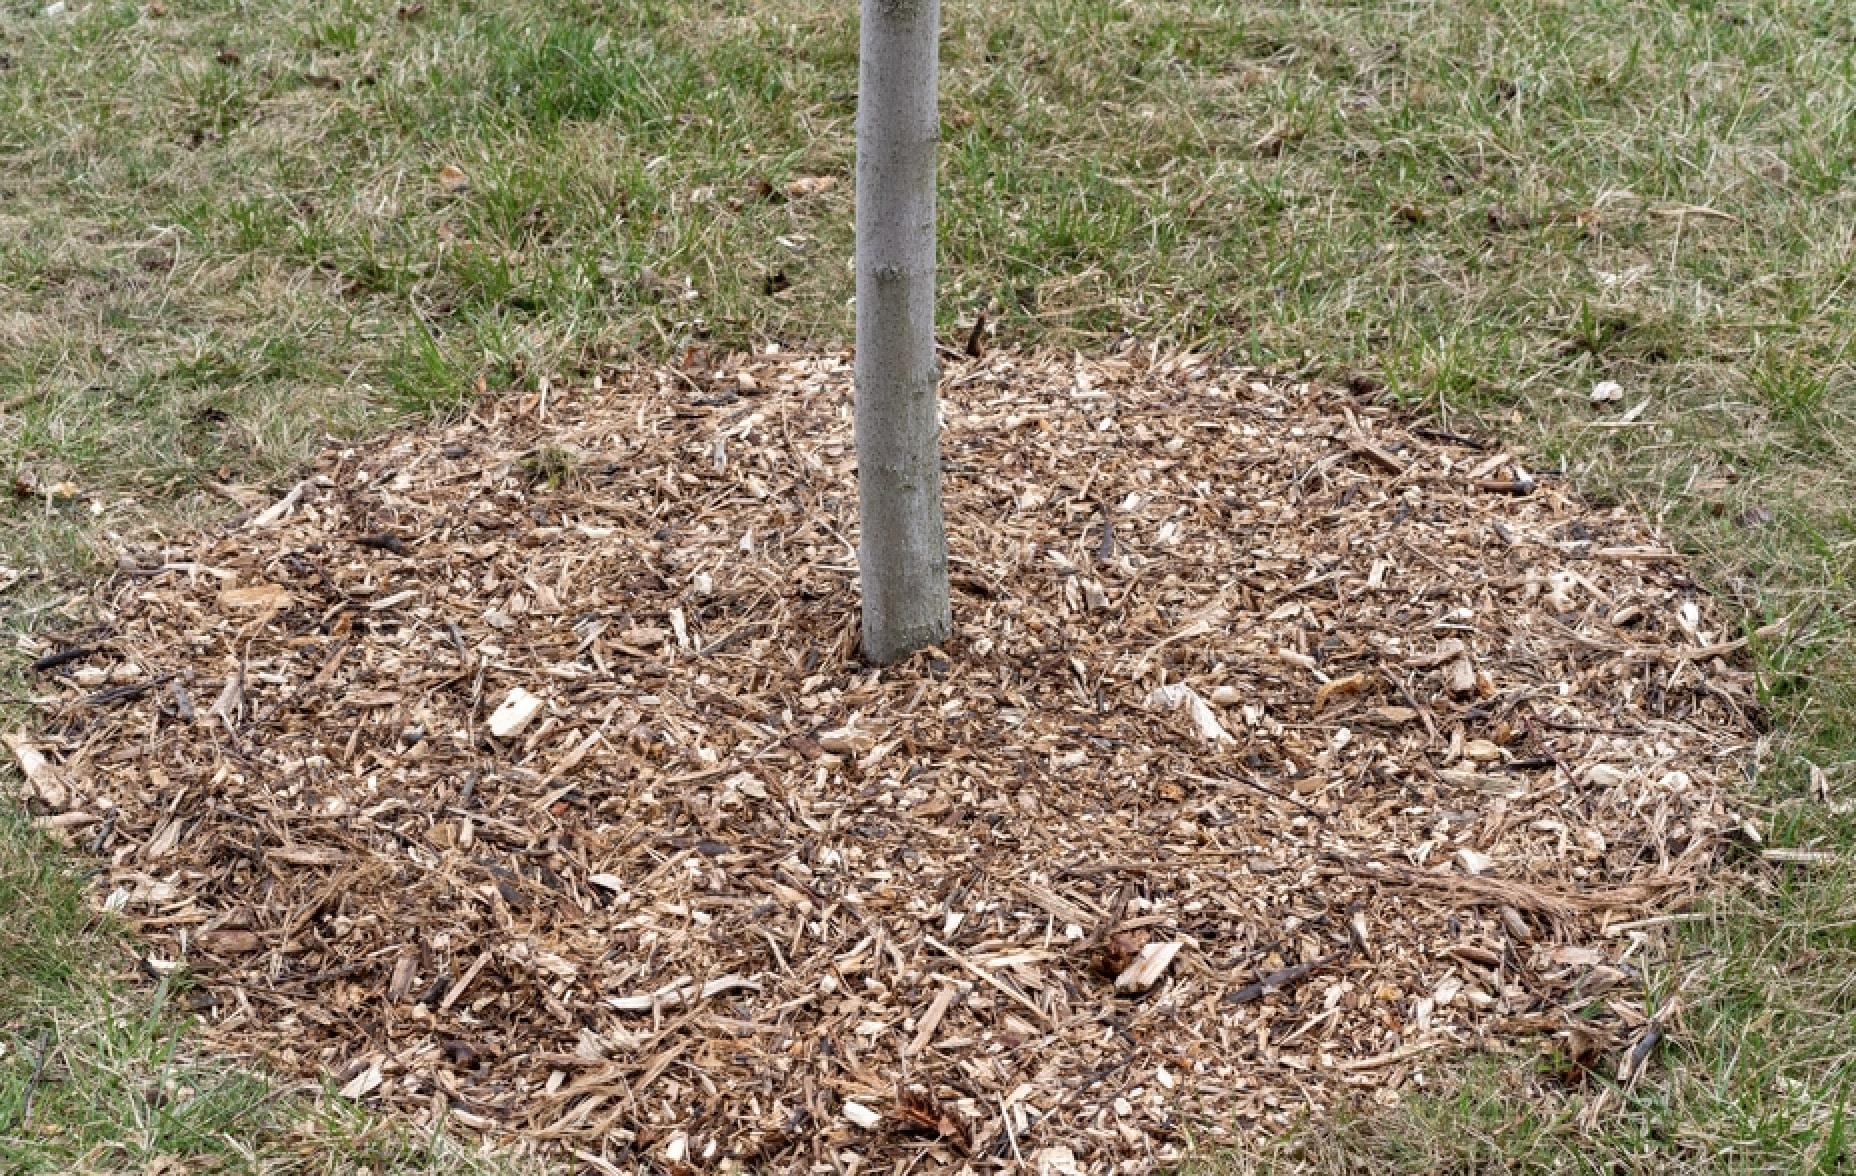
[[524, 773]]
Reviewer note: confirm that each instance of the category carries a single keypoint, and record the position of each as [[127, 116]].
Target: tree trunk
[[902, 559]]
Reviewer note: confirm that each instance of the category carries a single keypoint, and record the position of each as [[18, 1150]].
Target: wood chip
[[1148, 967], [681, 992], [1240, 664], [515, 713], [255, 596], [46, 782], [931, 1020]]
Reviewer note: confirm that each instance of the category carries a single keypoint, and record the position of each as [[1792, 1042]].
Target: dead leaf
[[1117, 953], [807, 186], [1577, 956], [225, 942], [1339, 688], [920, 1112]]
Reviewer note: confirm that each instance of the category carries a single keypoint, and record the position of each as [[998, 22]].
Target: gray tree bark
[[902, 557]]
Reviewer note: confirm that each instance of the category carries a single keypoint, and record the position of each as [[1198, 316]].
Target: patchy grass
[[225, 236]]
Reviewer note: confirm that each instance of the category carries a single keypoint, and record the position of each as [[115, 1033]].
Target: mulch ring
[[523, 772]]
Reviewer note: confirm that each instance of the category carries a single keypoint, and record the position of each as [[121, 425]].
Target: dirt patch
[[522, 772]]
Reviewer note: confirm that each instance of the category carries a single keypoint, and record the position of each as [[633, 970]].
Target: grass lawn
[[229, 230]]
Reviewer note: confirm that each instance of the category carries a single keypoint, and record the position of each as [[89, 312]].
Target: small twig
[[32, 1083], [383, 542], [1116, 910], [274, 514], [1105, 550], [1305, 585], [1005, 1117], [1279, 980], [1401, 1054], [975, 337], [52, 661], [1001, 986], [1587, 728], [1637, 1059], [1259, 786], [735, 638], [286, 983], [183, 703], [103, 832], [1519, 487], [123, 693], [1452, 438], [1375, 453]]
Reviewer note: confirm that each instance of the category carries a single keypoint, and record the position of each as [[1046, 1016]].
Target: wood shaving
[[1245, 670]]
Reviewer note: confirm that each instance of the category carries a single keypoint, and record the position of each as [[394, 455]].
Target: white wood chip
[[1148, 967], [515, 713]]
